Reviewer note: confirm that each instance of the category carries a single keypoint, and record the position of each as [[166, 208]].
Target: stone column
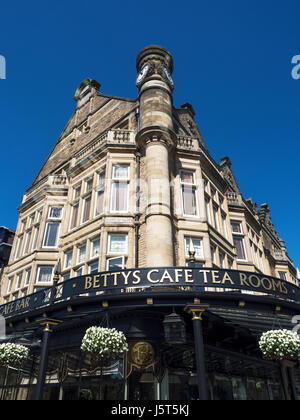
[[156, 139]]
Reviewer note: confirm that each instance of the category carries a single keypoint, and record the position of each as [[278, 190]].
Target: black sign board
[[202, 279]]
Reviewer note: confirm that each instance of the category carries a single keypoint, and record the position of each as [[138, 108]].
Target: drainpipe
[[138, 189], [137, 214]]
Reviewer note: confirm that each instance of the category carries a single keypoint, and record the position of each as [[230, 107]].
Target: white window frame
[[72, 214], [241, 237], [55, 218], [68, 252], [216, 217], [57, 236], [27, 277], [100, 189], [84, 245], [109, 252], [116, 181], [191, 185], [193, 238], [19, 280], [84, 201], [98, 238], [10, 285], [122, 257], [92, 263], [39, 271]]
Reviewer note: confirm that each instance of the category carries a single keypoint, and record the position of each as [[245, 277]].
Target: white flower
[[104, 342], [13, 355], [280, 344]]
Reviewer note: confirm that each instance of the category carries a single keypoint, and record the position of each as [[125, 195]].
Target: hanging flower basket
[[280, 345], [105, 343], [13, 355]]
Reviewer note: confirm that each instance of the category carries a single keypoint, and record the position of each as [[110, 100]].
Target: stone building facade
[[83, 209]]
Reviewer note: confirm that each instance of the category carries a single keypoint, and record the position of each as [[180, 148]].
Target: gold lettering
[[215, 276], [178, 273], [204, 275], [96, 281], [88, 283], [115, 274], [166, 275], [243, 280], [255, 285], [188, 275], [136, 275], [227, 278], [149, 276], [284, 288], [276, 285], [263, 283], [105, 279], [126, 277]]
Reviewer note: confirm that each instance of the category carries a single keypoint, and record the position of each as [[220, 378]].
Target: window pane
[[81, 254], [74, 216], [89, 185], [216, 218], [282, 275], [115, 264], [236, 227], [197, 243], [120, 172], [87, 209], [95, 248], [51, 234], [93, 268], [189, 201], [55, 213], [99, 202], [36, 235], [187, 177], [27, 278], [118, 244], [28, 238], [239, 245], [119, 196], [19, 281], [68, 259], [45, 275]]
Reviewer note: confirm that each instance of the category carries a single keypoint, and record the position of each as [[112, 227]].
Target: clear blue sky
[[232, 63]]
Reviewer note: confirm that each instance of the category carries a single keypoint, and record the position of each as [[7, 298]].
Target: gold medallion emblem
[[142, 354]]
